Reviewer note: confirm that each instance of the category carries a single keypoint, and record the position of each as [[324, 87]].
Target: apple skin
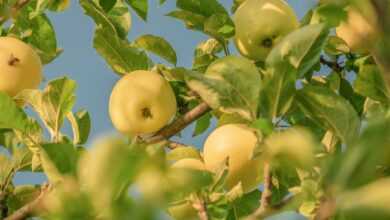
[[236, 142], [186, 211], [20, 66], [260, 25], [141, 102], [189, 163], [358, 31]]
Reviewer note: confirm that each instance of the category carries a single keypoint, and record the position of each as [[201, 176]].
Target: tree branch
[[180, 123], [333, 65], [265, 200], [29, 208]]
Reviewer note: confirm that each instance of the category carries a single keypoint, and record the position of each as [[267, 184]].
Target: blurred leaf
[[349, 94], [140, 7], [63, 156], [265, 126], [330, 14], [11, 116], [330, 111], [21, 158], [5, 168], [245, 205], [59, 5], [231, 85], [81, 126], [158, 46], [183, 152], [191, 20], [233, 118], [336, 46], [370, 83], [22, 195]]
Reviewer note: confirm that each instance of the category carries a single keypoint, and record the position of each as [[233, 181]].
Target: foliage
[[320, 112]]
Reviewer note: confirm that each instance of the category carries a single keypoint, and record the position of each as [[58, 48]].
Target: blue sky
[[95, 79]]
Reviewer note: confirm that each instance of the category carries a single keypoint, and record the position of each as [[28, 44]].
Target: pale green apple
[[142, 102], [261, 24]]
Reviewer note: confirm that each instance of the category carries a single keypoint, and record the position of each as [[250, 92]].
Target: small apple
[[142, 102], [189, 163], [20, 66], [235, 142], [261, 24], [359, 31], [185, 210]]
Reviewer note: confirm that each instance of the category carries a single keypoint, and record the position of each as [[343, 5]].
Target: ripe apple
[[358, 31], [20, 66], [185, 210], [235, 142], [141, 102], [261, 24]]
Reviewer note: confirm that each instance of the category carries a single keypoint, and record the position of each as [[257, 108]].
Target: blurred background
[[95, 79]]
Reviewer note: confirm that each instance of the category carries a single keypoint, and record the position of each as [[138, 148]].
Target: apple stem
[[146, 113], [13, 60], [267, 42]]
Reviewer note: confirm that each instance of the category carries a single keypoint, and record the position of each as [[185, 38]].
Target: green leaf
[[205, 54], [5, 168], [140, 7], [202, 124], [301, 49], [22, 195], [158, 46], [331, 111], [370, 83], [231, 85], [63, 156], [331, 14], [81, 126], [245, 205], [58, 99], [348, 93], [107, 5], [119, 54], [11, 116], [59, 5], [182, 153], [21, 159], [263, 125], [231, 119], [190, 19], [208, 16], [39, 32], [120, 17]]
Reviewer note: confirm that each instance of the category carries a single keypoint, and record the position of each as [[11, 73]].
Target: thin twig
[[180, 123], [333, 65], [200, 206], [265, 200], [28, 209]]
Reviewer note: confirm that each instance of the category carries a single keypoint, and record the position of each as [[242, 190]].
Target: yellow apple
[[261, 24], [235, 142], [189, 163], [20, 66], [359, 30], [142, 102]]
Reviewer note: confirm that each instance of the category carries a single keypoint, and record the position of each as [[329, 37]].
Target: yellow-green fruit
[[189, 163], [185, 210], [358, 31], [236, 142], [141, 102], [261, 24], [20, 66]]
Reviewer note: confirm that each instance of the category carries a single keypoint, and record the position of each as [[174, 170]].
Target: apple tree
[[300, 112]]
